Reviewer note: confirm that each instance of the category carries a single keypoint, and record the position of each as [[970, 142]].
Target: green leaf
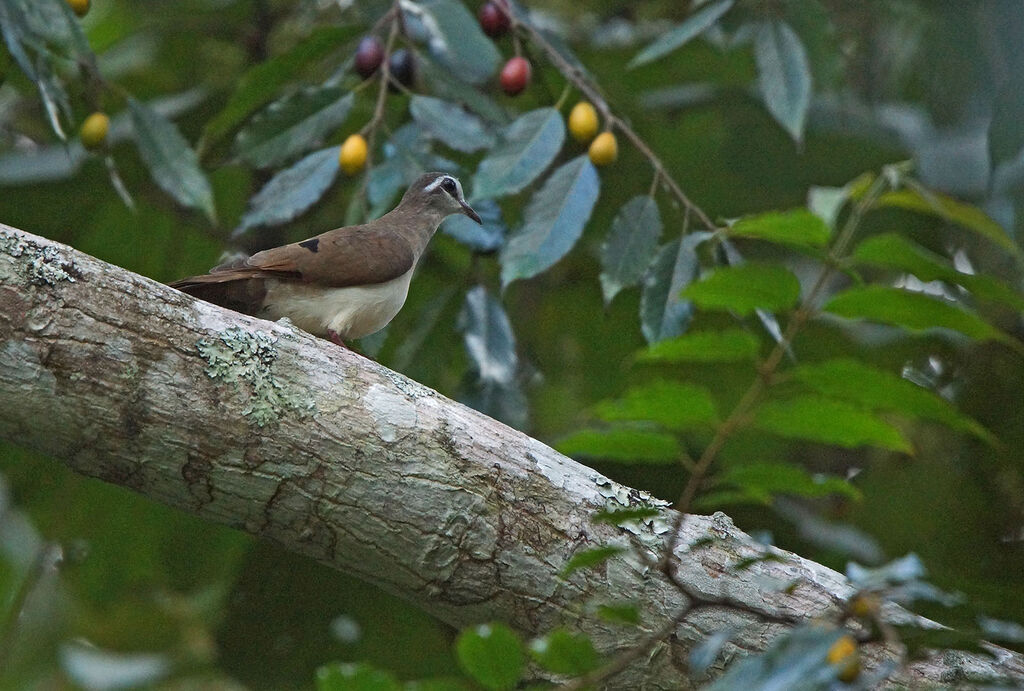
[[673, 405], [729, 345], [261, 83], [456, 39], [355, 677], [622, 444], [292, 126], [439, 684], [292, 190], [492, 655], [525, 148], [450, 124], [171, 161], [857, 382], [784, 75], [663, 313], [820, 419], [630, 246], [759, 482], [744, 288], [619, 614], [563, 652], [797, 227], [696, 24], [912, 311], [590, 557], [620, 516], [552, 222], [966, 215]]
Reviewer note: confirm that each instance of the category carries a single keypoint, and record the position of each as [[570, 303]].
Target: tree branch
[[265, 428]]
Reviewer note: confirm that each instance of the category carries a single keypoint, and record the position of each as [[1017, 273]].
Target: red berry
[[493, 20], [515, 75], [402, 67], [369, 55]]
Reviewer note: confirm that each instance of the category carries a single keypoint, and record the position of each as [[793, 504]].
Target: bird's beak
[[468, 210]]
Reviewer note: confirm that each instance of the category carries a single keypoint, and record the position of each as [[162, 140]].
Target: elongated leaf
[[619, 614], [480, 238], [261, 83], [760, 482], [744, 288], [795, 660], [894, 251], [492, 655], [784, 75], [819, 419], [673, 405], [966, 215], [630, 246], [564, 652], [796, 227], [443, 84], [663, 313], [553, 221], [675, 38], [456, 40], [450, 124], [588, 558], [730, 345], [524, 150], [620, 516], [292, 191], [912, 311], [292, 126], [622, 444], [858, 382], [171, 161], [827, 202]]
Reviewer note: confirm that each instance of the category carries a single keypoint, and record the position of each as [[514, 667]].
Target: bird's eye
[[448, 186]]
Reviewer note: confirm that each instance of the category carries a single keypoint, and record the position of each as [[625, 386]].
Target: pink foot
[[336, 339]]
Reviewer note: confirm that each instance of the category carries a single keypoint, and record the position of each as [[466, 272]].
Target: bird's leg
[[336, 339]]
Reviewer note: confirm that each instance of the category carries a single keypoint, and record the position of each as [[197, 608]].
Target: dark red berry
[[369, 55], [402, 67], [493, 20], [515, 75]]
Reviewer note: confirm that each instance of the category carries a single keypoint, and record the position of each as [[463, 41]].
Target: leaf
[[292, 190], [673, 405], [171, 161], [450, 124], [622, 444], [911, 311], [966, 215], [563, 652], [407, 155], [744, 288], [827, 202], [492, 655], [675, 38], [524, 150], [820, 419], [797, 227], [857, 382], [730, 345], [355, 677], [456, 40], [630, 246], [619, 614], [663, 313], [552, 222], [1005, 135], [590, 557], [292, 126], [796, 660], [259, 85], [620, 516], [784, 75], [480, 238], [760, 482], [707, 651]]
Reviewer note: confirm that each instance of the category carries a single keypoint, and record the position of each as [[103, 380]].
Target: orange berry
[[80, 7]]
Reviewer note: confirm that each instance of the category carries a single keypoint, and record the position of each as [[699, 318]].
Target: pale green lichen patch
[[247, 360], [39, 265]]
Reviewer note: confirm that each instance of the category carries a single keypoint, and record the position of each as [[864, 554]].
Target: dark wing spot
[[313, 245]]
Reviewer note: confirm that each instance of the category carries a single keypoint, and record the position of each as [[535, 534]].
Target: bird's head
[[442, 193]]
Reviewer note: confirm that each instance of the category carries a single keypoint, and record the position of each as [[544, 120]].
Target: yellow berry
[[864, 605], [352, 156], [583, 122], [604, 149], [843, 654], [81, 7], [94, 130]]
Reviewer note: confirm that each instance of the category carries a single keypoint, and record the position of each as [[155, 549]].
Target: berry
[[843, 654], [583, 122], [402, 67], [604, 149], [369, 56], [80, 7], [515, 75], [94, 131], [352, 155], [493, 20]]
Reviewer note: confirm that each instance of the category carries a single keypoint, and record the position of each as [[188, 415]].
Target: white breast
[[351, 312]]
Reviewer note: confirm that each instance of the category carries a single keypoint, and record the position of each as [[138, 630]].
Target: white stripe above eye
[[437, 183]]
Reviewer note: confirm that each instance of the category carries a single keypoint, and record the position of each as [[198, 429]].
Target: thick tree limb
[[262, 427]]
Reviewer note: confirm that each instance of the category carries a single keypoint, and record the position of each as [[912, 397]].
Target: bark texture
[[262, 427]]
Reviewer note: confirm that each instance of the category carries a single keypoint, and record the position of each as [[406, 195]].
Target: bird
[[346, 283]]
